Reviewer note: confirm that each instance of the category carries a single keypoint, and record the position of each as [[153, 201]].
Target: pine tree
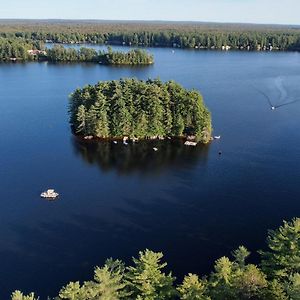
[[240, 256], [108, 282], [249, 283], [73, 291], [17, 295], [146, 279], [192, 288], [142, 109], [293, 286], [283, 257], [221, 279], [81, 125], [275, 291]]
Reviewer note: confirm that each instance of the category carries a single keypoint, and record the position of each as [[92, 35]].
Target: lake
[[192, 204]]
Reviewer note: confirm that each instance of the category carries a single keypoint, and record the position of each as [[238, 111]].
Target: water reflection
[[140, 156]]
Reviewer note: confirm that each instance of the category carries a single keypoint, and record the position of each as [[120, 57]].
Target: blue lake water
[[190, 203]]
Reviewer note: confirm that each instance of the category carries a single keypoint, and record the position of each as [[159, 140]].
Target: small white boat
[[88, 137], [217, 137], [155, 149], [189, 143], [50, 193], [115, 142], [125, 143], [273, 107]]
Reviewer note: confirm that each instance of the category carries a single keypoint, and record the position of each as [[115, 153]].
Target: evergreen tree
[[293, 286], [240, 256], [249, 283], [17, 295], [142, 109], [283, 257], [192, 288], [81, 125], [146, 279], [108, 282], [73, 291], [221, 280], [275, 291]]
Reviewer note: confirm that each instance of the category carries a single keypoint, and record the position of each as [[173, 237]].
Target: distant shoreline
[[104, 21], [184, 35]]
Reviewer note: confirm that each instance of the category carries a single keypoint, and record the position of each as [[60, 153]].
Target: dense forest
[[276, 278], [133, 57], [12, 49], [158, 34], [139, 109], [17, 48]]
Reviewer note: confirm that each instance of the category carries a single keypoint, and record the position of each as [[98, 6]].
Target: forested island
[[133, 57], [20, 49], [158, 34], [139, 110], [276, 278]]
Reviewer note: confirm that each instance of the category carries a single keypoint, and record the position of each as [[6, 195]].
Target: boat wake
[[283, 95]]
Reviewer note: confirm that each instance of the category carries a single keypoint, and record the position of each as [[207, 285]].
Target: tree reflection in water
[[140, 156]]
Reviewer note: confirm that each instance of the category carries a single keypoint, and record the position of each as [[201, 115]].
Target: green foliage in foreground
[[141, 109], [278, 278]]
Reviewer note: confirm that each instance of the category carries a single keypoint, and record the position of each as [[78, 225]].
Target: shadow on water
[[140, 157]]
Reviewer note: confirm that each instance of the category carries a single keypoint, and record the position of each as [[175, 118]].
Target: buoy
[[155, 149]]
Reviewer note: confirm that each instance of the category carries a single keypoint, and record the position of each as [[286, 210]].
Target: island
[[136, 109], [133, 57], [20, 49]]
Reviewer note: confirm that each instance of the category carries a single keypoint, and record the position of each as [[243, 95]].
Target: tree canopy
[[17, 48], [158, 34], [139, 109], [231, 279], [133, 57], [28, 50]]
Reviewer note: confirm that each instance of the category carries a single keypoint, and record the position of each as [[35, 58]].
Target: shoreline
[[90, 138]]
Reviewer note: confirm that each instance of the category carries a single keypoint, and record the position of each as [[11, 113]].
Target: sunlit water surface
[[190, 203]]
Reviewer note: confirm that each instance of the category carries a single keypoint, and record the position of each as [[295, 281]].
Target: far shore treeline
[[233, 278], [18, 49], [139, 109], [157, 34]]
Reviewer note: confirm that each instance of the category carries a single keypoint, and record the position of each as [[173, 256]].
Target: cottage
[[37, 52]]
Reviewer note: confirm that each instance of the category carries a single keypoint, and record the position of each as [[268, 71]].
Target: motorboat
[[50, 193]]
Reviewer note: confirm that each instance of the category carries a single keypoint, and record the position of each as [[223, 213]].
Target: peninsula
[[20, 49]]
